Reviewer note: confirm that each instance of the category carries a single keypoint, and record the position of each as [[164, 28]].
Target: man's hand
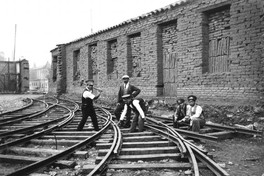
[[186, 118], [175, 118]]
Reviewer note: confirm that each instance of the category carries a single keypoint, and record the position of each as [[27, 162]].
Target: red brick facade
[[213, 49]]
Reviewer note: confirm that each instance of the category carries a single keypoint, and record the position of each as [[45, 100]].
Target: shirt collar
[[126, 85]]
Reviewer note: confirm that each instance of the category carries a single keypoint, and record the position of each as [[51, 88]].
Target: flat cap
[[125, 77], [89, 82], [180, 100], [126, 96], [192, 97]]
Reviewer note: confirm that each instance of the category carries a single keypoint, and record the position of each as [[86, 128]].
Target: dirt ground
[[240, 156], [10, 102]]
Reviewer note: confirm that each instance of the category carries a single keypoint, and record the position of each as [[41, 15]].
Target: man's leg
[[83, 120], [140, 124], [134, 123], [94, 120], [197, 124], [128, 117], [119, 110]]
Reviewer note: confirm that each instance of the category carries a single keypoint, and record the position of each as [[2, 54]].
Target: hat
[[192, 97], [125, 77], [126, 96], [180, 101], [89, 82]]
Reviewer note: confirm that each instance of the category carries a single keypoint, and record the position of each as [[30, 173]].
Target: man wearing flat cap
[[194, 114], [125, 88], [87, 106]]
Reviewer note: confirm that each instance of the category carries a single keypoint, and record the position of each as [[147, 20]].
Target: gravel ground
[[17, 96], [10, 102]]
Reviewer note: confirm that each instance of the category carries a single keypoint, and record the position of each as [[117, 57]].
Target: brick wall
[[213, 49]]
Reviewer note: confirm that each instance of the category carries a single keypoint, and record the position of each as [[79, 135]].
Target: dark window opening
[[54, 68], [216, 44], [112, 60], [92, 61], [134, 67], [76, 70]]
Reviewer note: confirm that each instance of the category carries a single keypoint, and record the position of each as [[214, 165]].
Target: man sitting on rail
[[194, 115], [137, 107], [179, 113]]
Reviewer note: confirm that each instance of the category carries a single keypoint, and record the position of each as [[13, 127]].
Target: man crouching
[[139, 117]]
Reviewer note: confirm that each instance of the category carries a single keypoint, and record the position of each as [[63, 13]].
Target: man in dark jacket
[[87, 106], [124, 89], [180, 113]]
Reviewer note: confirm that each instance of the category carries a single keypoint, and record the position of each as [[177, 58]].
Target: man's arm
[[176, 113], [188, 113], [119, 96], [136, 104], [97, 96], [135, 91]]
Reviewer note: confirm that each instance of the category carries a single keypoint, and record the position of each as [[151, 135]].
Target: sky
[[30, 29]]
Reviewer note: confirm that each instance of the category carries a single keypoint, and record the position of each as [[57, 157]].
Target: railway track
[[32, 106], [109, 151]]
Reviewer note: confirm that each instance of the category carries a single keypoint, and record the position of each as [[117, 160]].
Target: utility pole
[[14, 57], [91, 22]]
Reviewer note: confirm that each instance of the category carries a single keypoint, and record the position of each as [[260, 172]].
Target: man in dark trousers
[[125, 88], [180, 113], [137, 106], [87, 106]]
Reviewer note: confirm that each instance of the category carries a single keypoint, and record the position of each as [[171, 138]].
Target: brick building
[[213, 49]]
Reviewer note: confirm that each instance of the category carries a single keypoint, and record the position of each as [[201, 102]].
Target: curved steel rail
[[46, 99], [174, 139], [26, 117], [40, 164], [114, 149], [215, 168], [31, 102], [35, 135], [23, 115]]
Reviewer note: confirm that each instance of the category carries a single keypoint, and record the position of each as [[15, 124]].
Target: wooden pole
[[14, 57]]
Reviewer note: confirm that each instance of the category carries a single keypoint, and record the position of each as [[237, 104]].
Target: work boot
[[121, 124], [127, 125]]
